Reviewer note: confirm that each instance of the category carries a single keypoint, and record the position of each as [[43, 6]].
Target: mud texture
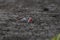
[[45, 14]]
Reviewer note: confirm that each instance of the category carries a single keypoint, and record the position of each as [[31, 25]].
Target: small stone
[[24, 19], [22, 30], [31, 28]]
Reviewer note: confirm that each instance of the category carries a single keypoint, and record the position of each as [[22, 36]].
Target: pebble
[[24, 19]]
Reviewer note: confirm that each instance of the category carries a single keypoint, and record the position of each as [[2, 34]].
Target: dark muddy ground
[[45, 14]]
